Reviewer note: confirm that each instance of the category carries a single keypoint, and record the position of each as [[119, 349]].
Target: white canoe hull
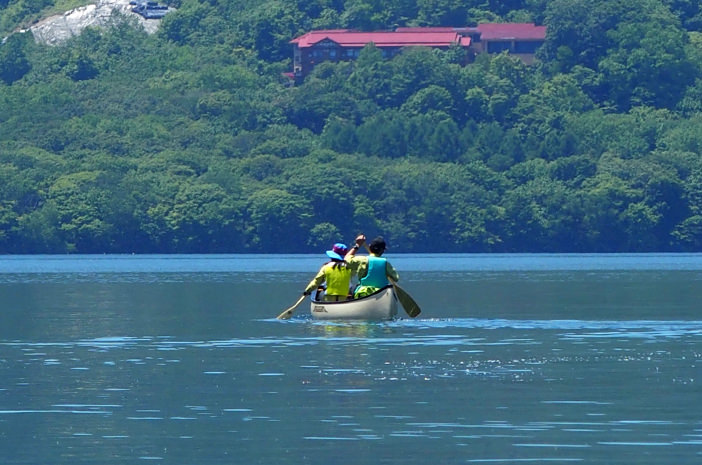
[[381, 305]]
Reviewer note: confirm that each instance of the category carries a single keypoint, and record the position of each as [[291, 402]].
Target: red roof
[[491, 31], [346, 38], [521, 31], [427, 29]]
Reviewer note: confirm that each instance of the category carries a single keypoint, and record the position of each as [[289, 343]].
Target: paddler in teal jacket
[[373, 270], [336, 275]]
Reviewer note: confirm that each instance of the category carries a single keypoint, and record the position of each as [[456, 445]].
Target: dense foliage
[[192, 140]]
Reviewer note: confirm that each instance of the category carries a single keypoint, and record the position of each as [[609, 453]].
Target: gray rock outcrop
[[57, 29]]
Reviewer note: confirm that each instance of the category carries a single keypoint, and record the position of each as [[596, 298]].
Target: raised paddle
[[288, 312], [408, 303]]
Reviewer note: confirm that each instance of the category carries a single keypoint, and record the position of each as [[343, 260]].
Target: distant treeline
[[192, 139]]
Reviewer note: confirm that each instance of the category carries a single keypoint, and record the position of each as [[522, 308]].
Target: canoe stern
[[381, 305]]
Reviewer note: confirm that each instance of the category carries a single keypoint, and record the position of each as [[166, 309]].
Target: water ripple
[[490, 323], [407, 333]]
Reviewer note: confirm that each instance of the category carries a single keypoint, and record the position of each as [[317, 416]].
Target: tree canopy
[[193, 140]]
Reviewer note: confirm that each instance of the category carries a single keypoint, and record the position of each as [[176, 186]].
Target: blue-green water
[[514, 359]]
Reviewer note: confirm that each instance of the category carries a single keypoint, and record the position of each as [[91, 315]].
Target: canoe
[[381, 305]]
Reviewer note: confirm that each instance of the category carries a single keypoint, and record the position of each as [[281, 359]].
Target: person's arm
[[360, 240], [316, 281], [391, 272]]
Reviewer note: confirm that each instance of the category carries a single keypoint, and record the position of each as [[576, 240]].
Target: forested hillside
[[192, 140]]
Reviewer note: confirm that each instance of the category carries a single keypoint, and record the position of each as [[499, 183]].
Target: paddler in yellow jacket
[[336, 274], [373, 270]]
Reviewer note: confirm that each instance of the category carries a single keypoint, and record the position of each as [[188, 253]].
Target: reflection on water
[[505, 367], [541, 390]]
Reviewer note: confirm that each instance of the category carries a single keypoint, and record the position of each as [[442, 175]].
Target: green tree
[[648, 64], [38, 231], [371, 75], [444, 143], [80, 202], [327, 185], [689, 233], [322, 95], [277, 220], [545, 107], [443, 12], [81, 67], [414, 69], [383, 134], [323, 235], [205, 219], [578, 30], [339, 135], [430, 98], [14, 64], [268, 26], [367, 15], [476, 103], [606, 198], [179, 26], [543, 215]]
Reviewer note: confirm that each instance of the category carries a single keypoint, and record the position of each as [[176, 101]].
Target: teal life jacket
[[377, 274]]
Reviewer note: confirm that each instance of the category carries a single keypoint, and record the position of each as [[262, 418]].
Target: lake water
[[514, 359]]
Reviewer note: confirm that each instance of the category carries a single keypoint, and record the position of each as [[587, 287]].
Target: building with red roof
[[520, 39], [314, 47], [342, 45]]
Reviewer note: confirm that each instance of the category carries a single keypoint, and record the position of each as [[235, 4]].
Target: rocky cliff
[[55, 30]]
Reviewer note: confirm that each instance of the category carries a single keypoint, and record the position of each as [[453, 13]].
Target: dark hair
[[339, 263], [377, 245]]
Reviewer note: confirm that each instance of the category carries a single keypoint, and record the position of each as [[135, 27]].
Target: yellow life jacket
[[338, 279]]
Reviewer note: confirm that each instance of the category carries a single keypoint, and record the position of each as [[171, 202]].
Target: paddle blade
[[287, 313], [407, 302]]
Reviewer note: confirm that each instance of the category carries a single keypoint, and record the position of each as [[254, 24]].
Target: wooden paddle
[[288, 312], [406, 300], [408, 303]]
